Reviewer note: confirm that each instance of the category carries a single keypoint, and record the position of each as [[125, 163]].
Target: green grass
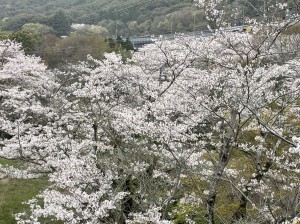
[[13, 192]]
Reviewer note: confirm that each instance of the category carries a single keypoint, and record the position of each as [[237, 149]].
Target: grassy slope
[[13, 193]]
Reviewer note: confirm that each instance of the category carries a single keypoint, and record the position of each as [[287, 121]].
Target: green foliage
[[3, 35], [127, 45], [120, 46], [37, 28], [29, 41], [59, 51], [60, 22], [16, 22]]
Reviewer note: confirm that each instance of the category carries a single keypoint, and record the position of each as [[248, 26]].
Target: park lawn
[[15, 191]]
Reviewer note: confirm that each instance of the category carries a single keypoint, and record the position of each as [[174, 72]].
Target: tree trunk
[[224, 159], [241, 211], [228, 137], [95, 127]]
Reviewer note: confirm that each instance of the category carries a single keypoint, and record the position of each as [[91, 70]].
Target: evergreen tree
[[60, 22], [28, 41]]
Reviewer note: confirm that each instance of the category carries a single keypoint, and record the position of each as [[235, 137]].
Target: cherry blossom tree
[[134, 135], [214, 92], [187, 126], [26, 87], [89, 158]]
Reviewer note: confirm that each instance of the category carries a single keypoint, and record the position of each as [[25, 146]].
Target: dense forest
[[127, 18], [131, 16]]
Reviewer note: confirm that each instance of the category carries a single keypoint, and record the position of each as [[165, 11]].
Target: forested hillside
[[125, 18], [130, 17]]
